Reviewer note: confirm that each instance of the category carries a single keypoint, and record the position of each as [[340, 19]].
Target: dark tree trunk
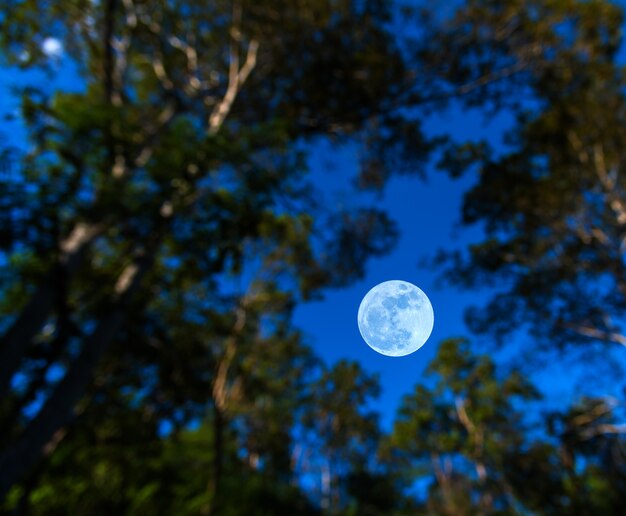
[[58, 411], [20, 334]]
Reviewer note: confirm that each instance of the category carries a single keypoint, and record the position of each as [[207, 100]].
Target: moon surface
[[395, 318]]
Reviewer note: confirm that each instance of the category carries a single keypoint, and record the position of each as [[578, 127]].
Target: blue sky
[[427, 213]]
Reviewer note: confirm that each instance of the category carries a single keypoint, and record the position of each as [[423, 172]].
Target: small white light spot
[[52, 47]]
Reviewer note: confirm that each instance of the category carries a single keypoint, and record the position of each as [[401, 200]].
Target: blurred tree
[[119, 463], [461, 432], [162, 224], [468, 444], [343, 430], [593, 453], [579, 466], [552, 201], [168, 209]]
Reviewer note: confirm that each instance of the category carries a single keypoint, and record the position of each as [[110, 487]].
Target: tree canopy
[[162, 222]]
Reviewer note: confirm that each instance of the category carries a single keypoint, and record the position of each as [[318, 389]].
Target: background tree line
[[162, 224]]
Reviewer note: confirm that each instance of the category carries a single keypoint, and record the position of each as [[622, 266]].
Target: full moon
[[395, 318]]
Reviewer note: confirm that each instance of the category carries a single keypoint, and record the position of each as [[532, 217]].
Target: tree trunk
[[19, 458], [58, 410], [20, 334]]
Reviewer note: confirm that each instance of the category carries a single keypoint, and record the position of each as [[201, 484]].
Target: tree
[[341, 428], [579, 466], [177, 170], [462, 431], [551, 202]]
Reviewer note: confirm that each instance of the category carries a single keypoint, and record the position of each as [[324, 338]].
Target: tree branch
[[605, 407], [236, 76], [476, 435], [596, 333], [604, 430], [607, 179]]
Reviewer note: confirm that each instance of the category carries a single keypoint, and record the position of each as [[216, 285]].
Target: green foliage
[[462, 430], [468, 436], [163, 224], [551, 202], [168, 226]]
